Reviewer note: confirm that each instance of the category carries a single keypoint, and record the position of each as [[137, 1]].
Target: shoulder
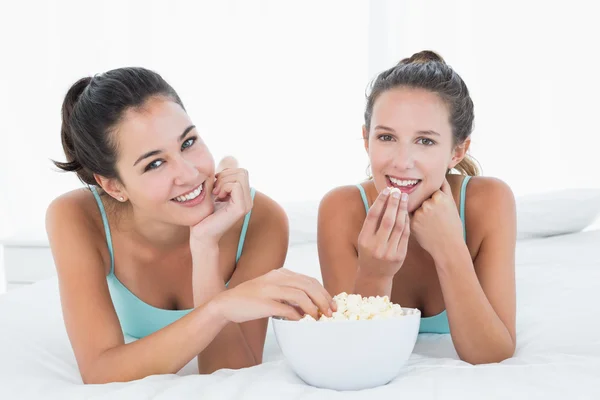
[[489, 203], [72, 220], [488, 194], [267, 215], [341, 215], [343, 200], [75, 207]]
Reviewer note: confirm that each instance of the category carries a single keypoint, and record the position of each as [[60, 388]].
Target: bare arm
[[92, 324], [241, 345], [338, 255], [480, 295]]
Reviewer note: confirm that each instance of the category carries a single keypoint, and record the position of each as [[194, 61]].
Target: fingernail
[[396, 194], [386, 191], [329, 312], [404, 197]]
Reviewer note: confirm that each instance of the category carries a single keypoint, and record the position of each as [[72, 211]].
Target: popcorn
[[354, 307], [394, 189]]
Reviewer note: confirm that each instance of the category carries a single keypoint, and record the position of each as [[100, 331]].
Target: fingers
[[399, 225], [233, 175], [403, 244], [446, 187], [227, 162], [282, 310], [375, 212], [296, 297], [312, 287], [232, 171], [235, 191], [388, 220], [226, 189]]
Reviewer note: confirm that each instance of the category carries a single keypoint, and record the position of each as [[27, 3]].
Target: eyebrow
[[427, 132], [155, 152]]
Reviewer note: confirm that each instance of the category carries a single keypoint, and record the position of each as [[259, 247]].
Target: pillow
[[557, 213]]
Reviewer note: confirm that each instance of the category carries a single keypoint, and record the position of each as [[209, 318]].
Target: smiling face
[[410, 143], [165, 169]]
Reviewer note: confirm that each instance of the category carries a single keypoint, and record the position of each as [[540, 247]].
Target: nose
[[404, 158], [186, 172]]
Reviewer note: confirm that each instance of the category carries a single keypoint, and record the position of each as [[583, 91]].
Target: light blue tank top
[[437, 323], [137, 318]]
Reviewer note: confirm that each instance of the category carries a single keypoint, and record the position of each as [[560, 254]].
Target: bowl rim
[[417, 312]]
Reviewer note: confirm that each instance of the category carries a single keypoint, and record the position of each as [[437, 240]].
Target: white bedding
[[558, 351]]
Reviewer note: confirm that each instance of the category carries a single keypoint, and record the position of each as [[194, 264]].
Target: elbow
[[97, 374], [91, 377], [101, 377], [487, 359], [492, 356]]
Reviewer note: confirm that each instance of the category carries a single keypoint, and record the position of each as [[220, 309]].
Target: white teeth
[[399, 182], [190, 196]]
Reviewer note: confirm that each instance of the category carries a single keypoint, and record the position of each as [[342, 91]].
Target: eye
[[426, 141], [385, 138], [188, 143], [153, 165]]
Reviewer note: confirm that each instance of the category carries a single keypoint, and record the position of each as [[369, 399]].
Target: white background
[[281, 85]]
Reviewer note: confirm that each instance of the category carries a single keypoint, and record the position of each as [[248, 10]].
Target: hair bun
[[423, 57]]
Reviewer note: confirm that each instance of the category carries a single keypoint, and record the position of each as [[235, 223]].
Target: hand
[[436, 224], [232, 200], [383, 240], [279, 293]]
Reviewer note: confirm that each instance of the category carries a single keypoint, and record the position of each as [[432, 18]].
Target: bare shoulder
[[268, 225], [266, 242], [74, 208], [489, 204], [487, 195], [82, 262], [73, 219], [341, 214], [268, 214], [343, 201]]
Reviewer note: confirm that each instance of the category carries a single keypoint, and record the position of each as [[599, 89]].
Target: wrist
[[205, 256], [214, 310], [368, 284], [203, 246], [207, 277], [449, 254]]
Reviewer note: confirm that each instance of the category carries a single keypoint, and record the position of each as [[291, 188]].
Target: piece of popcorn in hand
[[394, 189], [307, 317]]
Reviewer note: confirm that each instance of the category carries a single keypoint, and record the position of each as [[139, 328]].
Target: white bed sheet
[[558, 351]]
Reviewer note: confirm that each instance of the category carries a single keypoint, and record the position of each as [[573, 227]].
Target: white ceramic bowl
[[348, 355]]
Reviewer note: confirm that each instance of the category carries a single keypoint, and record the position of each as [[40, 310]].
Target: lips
[[192, 197], [405, 184]]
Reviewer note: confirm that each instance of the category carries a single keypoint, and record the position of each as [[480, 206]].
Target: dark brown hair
[[427, 70], [91, 110]]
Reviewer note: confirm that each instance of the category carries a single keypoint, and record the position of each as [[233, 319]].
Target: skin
[[414, 251], [173, 257]]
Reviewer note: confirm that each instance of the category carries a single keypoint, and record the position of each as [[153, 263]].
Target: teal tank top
[[437, 323], [139, 319]]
